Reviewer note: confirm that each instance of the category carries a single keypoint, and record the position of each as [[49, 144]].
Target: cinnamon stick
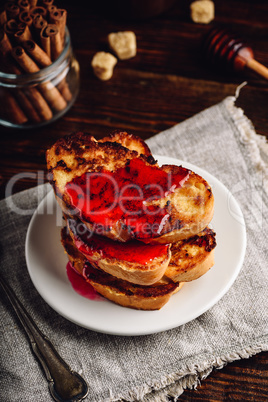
[[37, 54], [35, 97], [12, 10], [26, 63], [26, 18], [23, 34], [27, 106], [11, 27], [56, 48], [40, 104], [24, 5], [36, 103], [38, 10], [47, 3], [45, 40], [51, 9], [39, 23], [58, 17], [5, 45], [55, 41], [51, 40], [33, 3], [3, 17], [5, 52], [21, 25], [64, 89], [53, 96], [49, 91], [10, 109]]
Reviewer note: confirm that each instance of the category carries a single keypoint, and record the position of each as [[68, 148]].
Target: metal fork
[[63, 383]]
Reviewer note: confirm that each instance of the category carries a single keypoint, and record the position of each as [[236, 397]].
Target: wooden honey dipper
[[222, 49]]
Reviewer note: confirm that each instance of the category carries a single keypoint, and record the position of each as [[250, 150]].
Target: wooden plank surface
[[167, 82]]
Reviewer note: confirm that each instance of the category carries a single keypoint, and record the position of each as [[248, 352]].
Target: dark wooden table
[[167, 82]]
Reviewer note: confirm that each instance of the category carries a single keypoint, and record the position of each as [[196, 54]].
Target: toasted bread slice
[[130, 295], [133, 261], [177, 209], [192, 258], [78, 153], [190, 208], [117, 290], [182, 261]]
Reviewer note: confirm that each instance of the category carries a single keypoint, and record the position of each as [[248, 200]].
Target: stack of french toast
[[135, 231]]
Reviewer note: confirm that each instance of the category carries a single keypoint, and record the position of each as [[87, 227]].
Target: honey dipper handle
[[258, 68]]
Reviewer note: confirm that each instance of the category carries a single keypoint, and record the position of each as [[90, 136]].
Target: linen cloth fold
[[222, 140]]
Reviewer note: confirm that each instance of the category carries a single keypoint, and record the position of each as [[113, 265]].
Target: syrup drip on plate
[[80, 285]]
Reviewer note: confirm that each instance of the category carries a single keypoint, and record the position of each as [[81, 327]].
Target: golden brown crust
[[130, 141], [190, 207], [135, 300], [193, 257], [73, 155]]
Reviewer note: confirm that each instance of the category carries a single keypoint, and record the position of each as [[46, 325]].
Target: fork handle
[[64, 384]]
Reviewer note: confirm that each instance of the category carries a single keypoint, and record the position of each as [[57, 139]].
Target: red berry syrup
[[80, 285], [133, 251], [106, 198]]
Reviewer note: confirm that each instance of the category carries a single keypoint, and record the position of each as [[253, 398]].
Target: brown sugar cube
[[202, 11], [123, 44], [103, 65]]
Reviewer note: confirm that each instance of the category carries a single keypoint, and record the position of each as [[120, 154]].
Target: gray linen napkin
[[149, 368]]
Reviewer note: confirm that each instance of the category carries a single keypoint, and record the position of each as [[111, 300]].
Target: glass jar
[[35, 99]]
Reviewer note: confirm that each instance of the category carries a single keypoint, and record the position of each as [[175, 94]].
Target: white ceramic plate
[[46, 263]]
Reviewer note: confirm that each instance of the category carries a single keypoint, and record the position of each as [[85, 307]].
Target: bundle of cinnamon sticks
[[32, 36]]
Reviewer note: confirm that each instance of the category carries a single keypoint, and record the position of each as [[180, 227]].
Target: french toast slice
[[172, 203], [132, 261], [193, 257], [117, 290], [182, 261]]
